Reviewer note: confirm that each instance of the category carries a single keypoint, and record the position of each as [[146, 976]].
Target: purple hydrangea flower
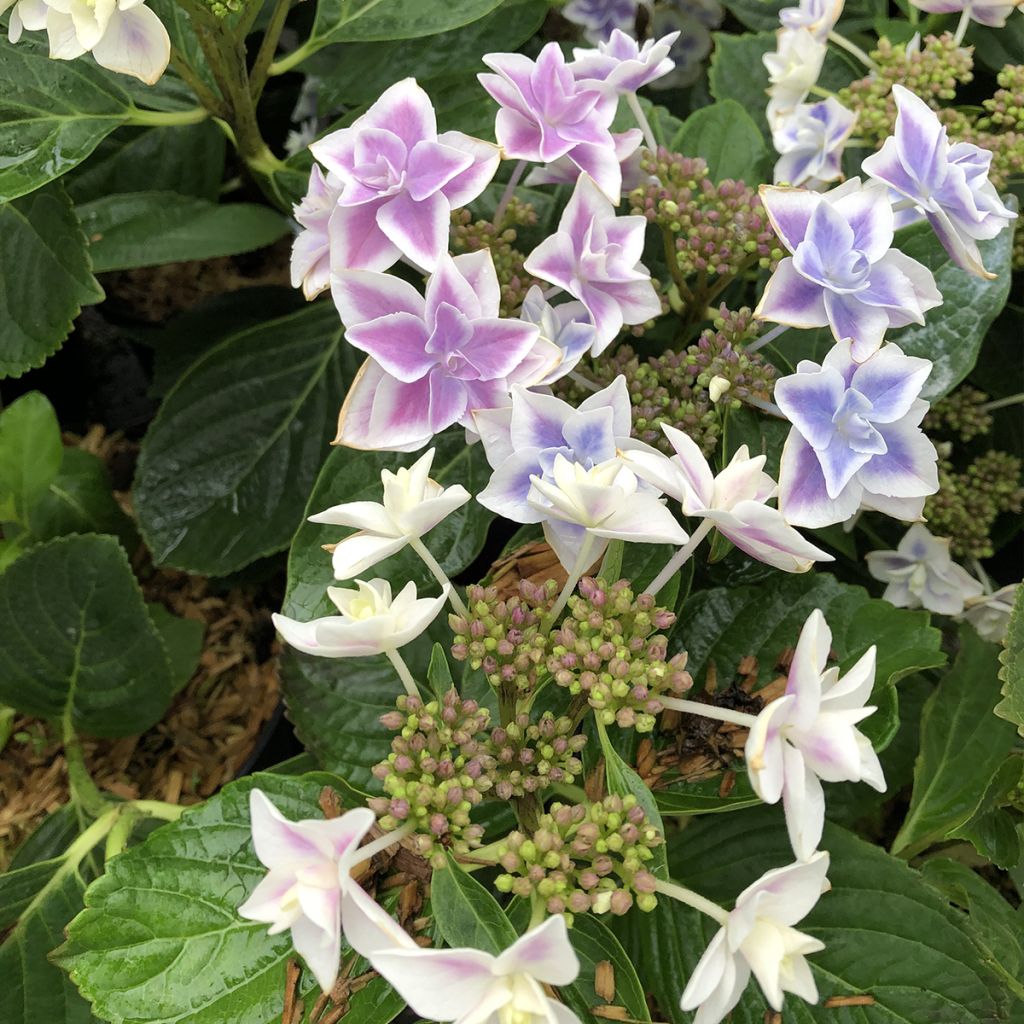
[[693, 20], [817, 16], [622, 64], [434, 358], [522, 440], [985, 12], [948, 183], [810, 142], [567, 326], [856, 440], [399, 182], [599, 18], [546, 115], [843, 272], [595, 257]]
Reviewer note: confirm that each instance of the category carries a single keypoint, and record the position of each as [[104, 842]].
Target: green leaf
[[226, 465], [145, 229], [339, 21], [160, 939], [76, 638], [56, 833], [30, 454], [728, 140], [350, 475], [595, 944], [997, 47], [1011, 671], [887, 934], [962, 744], [439, 673], [80, 500], [996, 829], [704, 796], [466, 913], [952, 334], [35, 989], [999, 927], [721, 626], [183, 640], [45, 267], [18, 887], [53, 114], [351, 74], [624, 781], [187, 158]]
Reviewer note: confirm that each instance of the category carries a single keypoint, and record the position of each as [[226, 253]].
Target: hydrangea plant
[[634, 677]]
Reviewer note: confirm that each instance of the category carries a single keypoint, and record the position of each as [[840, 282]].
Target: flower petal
[[544, 953], [134, 43], [418, 229], [439, 984]]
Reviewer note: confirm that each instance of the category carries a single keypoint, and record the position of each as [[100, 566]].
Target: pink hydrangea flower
[[434, 358], [546, 115], [595, 257], [397, 182]]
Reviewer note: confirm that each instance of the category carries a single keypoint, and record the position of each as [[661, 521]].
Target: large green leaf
[[145, 229], [350, 475], [887, 934], [350, 74], [1011, 670], [34, 989], [30, 454], [46, 273], [996, 828], [160, 939], [340, 21], [75, 638], [962, 745], [721, 626], [952, 333], [187, 158], [466, 913], [227, 463], [999, 927], [728, 140], [53, 114]]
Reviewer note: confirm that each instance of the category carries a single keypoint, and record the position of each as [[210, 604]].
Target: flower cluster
[[530, 756], [960, 414], [439, 768], [717, 230], [609, 651], [584, 857], [502, 635], [122, 35]]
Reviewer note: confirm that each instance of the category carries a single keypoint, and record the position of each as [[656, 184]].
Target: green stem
[[204, 93], [265, 55], [83, 790], [676, 562], [695, 707], [1002, 403], [961, 28], [403, 672], [673, 266], [157, 809], [167, 118], [291, 60], [538, 912], [817, 90], [852, 48], [641, 119], [7, 717], [578, 569], [120, 833]]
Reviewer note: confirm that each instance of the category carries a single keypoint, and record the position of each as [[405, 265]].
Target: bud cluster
[[607, 650], [932, 70], [438, 769], [502, 634], [673, 387], [968, 503], [584, 858], [471, 236], [960, 414], [529, 756], [717, 229]]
